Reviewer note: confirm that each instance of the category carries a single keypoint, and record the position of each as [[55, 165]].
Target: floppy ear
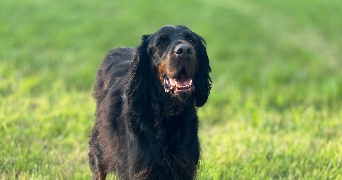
[[138, 87], [202, 80]]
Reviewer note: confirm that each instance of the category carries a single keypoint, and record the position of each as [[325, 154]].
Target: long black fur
[[132, 135]]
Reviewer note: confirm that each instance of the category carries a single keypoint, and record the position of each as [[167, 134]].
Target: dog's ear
[[144, 38], [202, 80], [138, 87]]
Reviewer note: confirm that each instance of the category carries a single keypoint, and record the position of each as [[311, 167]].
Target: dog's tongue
[[183, 81]]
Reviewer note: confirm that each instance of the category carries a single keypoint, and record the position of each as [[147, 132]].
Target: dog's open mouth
[[180, 84]]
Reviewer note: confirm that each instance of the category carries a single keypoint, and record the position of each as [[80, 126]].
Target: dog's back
[[113, 69]]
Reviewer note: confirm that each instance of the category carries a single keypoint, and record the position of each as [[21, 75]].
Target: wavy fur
[[133, 135]]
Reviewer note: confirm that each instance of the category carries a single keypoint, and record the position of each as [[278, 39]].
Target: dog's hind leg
[[100, 176], [95, 157]]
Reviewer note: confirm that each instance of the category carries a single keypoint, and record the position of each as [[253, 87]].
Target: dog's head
[[178, 60]]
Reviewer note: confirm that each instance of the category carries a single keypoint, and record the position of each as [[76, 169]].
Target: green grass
[[275, 110]]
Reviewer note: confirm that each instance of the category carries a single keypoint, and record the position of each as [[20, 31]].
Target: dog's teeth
[[190, 82]]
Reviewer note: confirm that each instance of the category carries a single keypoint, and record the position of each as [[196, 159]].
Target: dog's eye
[[151, 50], [162, 42], [191, 40]]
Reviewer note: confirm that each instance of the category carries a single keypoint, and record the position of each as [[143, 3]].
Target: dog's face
[[174, 51]]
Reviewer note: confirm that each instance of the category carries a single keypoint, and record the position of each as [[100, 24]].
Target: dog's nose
[[183, 49]]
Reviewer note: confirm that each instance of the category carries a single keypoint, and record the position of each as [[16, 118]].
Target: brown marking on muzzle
[[174, 63], [162, 69]]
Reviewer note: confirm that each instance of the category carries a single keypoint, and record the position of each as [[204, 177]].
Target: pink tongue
[[183, 81]]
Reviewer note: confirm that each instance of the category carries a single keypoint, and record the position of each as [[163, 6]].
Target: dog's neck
[[172, 106]]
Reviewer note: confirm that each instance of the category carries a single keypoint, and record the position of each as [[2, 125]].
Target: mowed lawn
[[274, 112]]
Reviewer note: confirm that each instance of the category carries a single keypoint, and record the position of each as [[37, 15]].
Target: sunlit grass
[[274, 111]]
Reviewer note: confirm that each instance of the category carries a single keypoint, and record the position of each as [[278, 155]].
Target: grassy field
[[275, 110]]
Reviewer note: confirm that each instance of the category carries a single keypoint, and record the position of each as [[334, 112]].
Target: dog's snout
[[183, 50]]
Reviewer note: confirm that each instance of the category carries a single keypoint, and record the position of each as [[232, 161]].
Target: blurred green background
[[274, 112]]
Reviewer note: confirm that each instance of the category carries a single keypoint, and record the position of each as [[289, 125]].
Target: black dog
[[146, 117]]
